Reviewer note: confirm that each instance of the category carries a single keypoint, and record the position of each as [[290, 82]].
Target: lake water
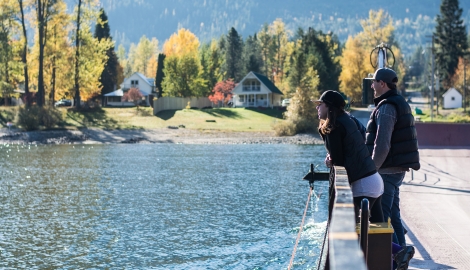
[[158, 206]]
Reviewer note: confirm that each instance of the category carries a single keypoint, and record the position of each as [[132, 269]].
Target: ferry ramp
[[435, 208]]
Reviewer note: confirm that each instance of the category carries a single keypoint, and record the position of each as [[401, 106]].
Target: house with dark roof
[[256, 90], [136, 80]]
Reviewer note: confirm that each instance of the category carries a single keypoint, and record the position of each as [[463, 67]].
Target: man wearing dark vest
[[392, 142]]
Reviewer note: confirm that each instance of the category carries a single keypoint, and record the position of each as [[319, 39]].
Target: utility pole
[[432, 77], [464, 84]]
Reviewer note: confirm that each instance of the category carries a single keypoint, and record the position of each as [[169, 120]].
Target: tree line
[[68, 60], [185, 67], [65, 60]]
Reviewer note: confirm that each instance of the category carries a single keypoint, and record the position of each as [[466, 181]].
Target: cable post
[[310, 176], [383, 51]]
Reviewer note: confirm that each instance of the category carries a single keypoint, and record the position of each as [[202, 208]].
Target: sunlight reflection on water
[[161, 206]]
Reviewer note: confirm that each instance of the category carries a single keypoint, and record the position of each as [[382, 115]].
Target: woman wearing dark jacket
[[346, 147]]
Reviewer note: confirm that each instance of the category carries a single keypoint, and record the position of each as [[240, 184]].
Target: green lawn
[[445, 116], [220, 119]]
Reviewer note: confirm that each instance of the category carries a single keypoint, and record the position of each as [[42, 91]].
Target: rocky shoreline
[[168, 135]]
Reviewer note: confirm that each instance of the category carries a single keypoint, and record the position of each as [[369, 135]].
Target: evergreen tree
[[320, 51], [109, 76], [302, 72], [417, 63], [252, 55], [160, 75], [211, 61], [221, 49], [298, 68], [323, 50], [451, 38], [418, 69], [204, 58], [234, 56], [267, 50], [102, 28]]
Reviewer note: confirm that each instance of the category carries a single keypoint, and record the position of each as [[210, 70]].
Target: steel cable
[[300, 230]]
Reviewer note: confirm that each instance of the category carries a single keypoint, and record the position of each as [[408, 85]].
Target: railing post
[[365, 226]]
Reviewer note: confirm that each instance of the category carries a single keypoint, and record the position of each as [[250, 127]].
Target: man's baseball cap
[[386, 75], [333, 98]]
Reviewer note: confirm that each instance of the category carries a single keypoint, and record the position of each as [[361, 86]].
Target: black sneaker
[[403, 257]]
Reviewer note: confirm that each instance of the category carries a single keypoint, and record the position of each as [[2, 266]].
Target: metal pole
[[432, 79], [464, 83], [382, 58], [365, 226]]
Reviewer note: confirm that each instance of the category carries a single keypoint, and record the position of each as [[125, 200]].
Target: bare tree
[[77, 57], [24, 53], [44, 10]]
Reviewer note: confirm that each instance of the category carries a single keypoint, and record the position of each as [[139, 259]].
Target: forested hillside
[[131, 19]]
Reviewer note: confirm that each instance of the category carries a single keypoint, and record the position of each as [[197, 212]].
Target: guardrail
[[343, 249]]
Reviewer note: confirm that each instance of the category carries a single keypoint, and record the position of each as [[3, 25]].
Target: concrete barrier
[[443, 134]]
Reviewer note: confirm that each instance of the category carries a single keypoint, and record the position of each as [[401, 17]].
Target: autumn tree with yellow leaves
[[67, 68], [89, 52], [355, 67], [461, 78], [282, 49], [276, 50], [183, 72], [144, 56], [58, 54], [182, 43], [10, 67]]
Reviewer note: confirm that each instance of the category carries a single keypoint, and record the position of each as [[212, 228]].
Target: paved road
[[362, 114], [416, 101], [435, 207]]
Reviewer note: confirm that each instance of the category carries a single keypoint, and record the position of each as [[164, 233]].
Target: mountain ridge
[[131, 19]]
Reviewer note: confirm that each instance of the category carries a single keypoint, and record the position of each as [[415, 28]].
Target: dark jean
[[391, 204], [375, 209]]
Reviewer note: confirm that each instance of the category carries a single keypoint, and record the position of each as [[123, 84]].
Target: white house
[[136, 80], [256, 90], [452, 99]]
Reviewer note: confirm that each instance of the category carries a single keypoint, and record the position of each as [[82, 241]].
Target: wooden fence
[[177, 103]]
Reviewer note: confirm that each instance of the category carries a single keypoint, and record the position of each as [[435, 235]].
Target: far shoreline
[[160, 135]]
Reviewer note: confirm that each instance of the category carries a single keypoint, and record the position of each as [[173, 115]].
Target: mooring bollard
[[364, 226]]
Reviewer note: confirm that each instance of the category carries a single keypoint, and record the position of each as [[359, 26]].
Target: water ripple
[[157, 206]]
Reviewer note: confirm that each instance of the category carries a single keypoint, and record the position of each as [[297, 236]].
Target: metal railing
[[251, 88], [341, 244]]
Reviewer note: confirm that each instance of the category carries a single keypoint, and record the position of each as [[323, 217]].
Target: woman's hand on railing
[[328, 161]]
